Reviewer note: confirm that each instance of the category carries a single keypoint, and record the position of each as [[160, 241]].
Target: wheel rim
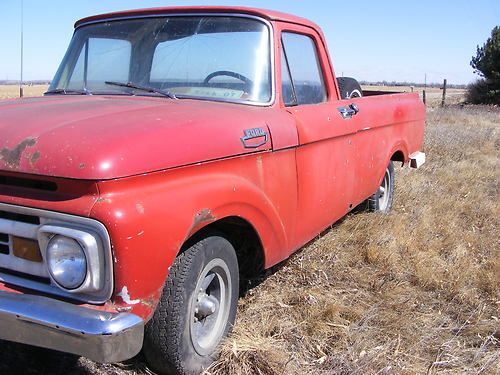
[[210, 307], [384, 191]]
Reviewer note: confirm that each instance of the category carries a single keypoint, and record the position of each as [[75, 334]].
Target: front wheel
[[196, 311], [381, 200]]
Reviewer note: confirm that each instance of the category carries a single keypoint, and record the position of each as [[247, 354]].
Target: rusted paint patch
[[103, 200], [12, 157], [123, 309], [126, 297], [34, 158], [203, 216], [149, 302]]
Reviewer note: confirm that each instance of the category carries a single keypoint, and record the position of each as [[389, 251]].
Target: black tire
[[175, 341], [381, 200], [349, 88]]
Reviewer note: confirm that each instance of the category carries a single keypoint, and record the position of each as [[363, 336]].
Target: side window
[[305, 69], [102, 59]]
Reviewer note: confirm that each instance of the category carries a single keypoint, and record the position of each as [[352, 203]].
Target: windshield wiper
[[68, 92], [142, 88]]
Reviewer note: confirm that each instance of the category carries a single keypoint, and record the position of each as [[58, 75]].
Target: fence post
[[423, 97], [444, 93]]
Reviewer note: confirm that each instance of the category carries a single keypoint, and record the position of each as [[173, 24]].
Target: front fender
[[150, 217]]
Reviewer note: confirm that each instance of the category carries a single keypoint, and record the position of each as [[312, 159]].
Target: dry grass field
[[433, 95], [12, 91], [413, 292]]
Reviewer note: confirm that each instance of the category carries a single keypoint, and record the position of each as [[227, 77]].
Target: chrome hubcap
[[383, 195], [210, 307], [206, 305]]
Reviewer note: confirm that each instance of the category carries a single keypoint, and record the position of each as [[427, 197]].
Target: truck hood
[[105, 137]]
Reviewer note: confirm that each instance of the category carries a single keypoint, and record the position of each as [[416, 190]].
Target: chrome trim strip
[[204, 14], [13, 263], [18, 228], [41, 321], [90, 243], [77, 223]]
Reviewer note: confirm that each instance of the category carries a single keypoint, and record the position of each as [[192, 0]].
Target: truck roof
[[264, 13]]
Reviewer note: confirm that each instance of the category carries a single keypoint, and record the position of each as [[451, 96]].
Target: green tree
[[486, 63]]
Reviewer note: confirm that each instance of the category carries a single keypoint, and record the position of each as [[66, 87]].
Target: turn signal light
[[26, 249]]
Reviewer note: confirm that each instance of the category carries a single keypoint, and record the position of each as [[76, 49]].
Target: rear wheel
[[349, 88], [381, 200], [197, 309]]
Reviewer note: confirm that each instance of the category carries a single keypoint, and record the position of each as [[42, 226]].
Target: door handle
[[348, 112]]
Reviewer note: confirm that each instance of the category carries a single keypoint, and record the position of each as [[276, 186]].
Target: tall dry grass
[[413, 292]]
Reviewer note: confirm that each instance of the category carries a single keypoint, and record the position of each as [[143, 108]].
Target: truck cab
[[177, 152]]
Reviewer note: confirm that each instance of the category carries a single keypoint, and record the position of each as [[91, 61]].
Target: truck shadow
[[24, 359]]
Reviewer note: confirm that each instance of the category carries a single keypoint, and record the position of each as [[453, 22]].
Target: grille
[[22, 266], [37, 279], [27, 219], [28, 183], [4, 243], [18, 226]]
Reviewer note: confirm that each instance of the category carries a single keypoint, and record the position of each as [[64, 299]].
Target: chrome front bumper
[[101, 336]]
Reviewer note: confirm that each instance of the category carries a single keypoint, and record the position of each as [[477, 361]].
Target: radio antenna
[[21, 93]]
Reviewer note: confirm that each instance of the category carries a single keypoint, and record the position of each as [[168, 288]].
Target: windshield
[[207, 57]]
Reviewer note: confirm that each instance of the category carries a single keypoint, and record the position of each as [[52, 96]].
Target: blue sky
[[370, 40]]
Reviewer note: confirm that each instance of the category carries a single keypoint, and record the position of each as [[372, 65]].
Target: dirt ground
[[412, 292]]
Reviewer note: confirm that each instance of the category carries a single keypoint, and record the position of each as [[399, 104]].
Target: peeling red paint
[[12, 157], [34, 158], [202, 217]]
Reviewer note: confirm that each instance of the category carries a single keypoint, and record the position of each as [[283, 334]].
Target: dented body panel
[[156, 171]]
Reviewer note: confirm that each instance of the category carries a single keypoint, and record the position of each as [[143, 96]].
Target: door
[[324, 157]]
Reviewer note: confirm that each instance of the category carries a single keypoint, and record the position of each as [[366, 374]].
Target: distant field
[[12, 91], [433, 95], [413, 292]]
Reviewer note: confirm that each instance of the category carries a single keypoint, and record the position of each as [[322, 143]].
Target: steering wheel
[[228, 73]]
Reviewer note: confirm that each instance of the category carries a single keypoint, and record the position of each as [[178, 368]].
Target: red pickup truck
[[177, 152]]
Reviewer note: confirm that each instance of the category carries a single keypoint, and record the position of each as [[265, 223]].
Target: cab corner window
[[286, 83], [305, 70]]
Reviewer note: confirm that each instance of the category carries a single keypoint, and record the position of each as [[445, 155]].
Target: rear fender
[[399, 146]]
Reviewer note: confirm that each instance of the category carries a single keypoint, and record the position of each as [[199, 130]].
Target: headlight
[[75, 259], [66, 262]]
